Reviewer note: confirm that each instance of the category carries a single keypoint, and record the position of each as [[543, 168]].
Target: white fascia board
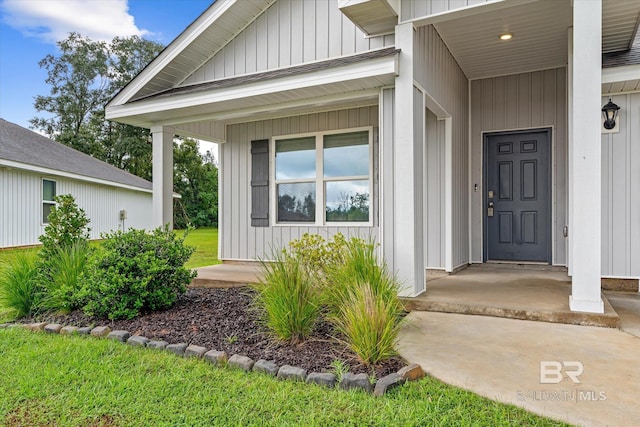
[[47, 171], [371, 68], [236, 116], [621, 74], [173, 50]]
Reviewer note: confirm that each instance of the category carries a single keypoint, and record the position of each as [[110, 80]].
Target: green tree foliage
[[196, 180], [83, 77]]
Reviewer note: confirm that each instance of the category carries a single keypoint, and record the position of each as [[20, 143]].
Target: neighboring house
[[412, 121], [34, 169]]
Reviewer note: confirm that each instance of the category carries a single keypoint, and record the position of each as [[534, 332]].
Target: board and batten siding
[[522, 101], [434, 194], [238, 239], [437, 71], [412, 9], [621, 191], [289, 32], [21, 206]]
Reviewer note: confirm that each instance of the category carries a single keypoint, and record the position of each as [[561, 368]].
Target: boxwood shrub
[[136, 272]]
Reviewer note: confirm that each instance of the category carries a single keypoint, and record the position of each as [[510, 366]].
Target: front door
[[517, 196]]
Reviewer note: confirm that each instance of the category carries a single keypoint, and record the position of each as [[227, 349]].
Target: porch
[[537, 293], [513, 291]]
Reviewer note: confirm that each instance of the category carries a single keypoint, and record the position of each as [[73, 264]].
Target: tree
[[195, 178], [79, 82], [83, 77]]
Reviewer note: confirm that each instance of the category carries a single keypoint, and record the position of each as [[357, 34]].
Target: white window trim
[[319, 180], [43, 201]]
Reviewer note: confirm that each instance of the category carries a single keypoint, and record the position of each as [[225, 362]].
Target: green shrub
[[67, 224], [316, 255], [136, 272], [369, 324], [64, 270], [287, 299], [19, 290]]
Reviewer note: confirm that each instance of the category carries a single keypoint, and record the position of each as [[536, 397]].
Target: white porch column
[[162, 176], [407, 202], [585, 157]]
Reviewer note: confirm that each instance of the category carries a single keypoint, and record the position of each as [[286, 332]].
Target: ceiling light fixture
[[506, 36]]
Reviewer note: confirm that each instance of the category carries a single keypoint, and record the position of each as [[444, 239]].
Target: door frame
[[551, 194]]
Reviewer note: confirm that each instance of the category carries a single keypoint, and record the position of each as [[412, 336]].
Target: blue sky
[[30, 28]]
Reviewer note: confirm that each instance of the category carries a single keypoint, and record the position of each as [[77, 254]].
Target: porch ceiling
[[539, 35]]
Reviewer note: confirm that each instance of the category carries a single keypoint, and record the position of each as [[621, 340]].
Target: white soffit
[[539, 39], [371, 16], [619, 24]]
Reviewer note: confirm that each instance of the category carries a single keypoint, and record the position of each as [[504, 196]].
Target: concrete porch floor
[[514, 292], [498, 291]]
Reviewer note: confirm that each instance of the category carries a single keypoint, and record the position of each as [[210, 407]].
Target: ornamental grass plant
[[19, 289], [287, 299]]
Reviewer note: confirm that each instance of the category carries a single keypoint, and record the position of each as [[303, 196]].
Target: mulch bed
[[222, 319]]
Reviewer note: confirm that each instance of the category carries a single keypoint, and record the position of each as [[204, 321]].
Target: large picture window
[[48, 193], [323, 178]]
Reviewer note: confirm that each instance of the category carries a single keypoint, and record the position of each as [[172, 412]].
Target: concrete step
[[227, 275], [608, 319]]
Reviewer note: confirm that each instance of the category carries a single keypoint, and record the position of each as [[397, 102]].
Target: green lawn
[[205, 240], [77, 381]]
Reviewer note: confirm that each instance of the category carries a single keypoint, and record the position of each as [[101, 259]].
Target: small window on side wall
[[48, 193]]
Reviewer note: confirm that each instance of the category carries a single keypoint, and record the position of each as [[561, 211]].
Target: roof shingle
[[25, 146]]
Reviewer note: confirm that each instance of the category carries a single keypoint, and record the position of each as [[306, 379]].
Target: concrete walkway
[[500, 358]]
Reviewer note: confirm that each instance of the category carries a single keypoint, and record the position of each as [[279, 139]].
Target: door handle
[[490, 209]]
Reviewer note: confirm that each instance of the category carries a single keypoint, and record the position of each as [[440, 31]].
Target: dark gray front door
[[517, 196]]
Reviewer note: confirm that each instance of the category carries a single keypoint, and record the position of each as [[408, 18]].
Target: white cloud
[[53, 20]]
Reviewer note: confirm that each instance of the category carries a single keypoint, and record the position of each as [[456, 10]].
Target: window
[[323, 178], [48, 193]]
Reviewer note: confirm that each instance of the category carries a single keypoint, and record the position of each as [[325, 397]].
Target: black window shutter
[[260, 183]]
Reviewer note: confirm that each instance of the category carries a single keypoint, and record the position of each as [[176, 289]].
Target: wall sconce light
[[610, 113]]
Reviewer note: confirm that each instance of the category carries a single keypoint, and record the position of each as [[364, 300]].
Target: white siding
[[438, 73], [621, 191], [387, 201], [238, 239], [289, 32], [21, 206], [528, 100], [434, 193], [411, 9]]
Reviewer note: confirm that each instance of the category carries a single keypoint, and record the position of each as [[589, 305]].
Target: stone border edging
[[349, 381]]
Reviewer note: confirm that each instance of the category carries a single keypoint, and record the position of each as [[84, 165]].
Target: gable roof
[[193, 47], [25, 149]]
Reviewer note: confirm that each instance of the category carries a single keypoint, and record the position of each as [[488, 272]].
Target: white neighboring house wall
[[21, 206]]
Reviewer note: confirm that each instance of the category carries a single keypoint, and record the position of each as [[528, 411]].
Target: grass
[[286, 299], [205, 241], [86, 381], [18, 286]]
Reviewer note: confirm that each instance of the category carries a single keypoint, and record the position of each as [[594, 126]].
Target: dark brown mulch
[[222, 319]]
